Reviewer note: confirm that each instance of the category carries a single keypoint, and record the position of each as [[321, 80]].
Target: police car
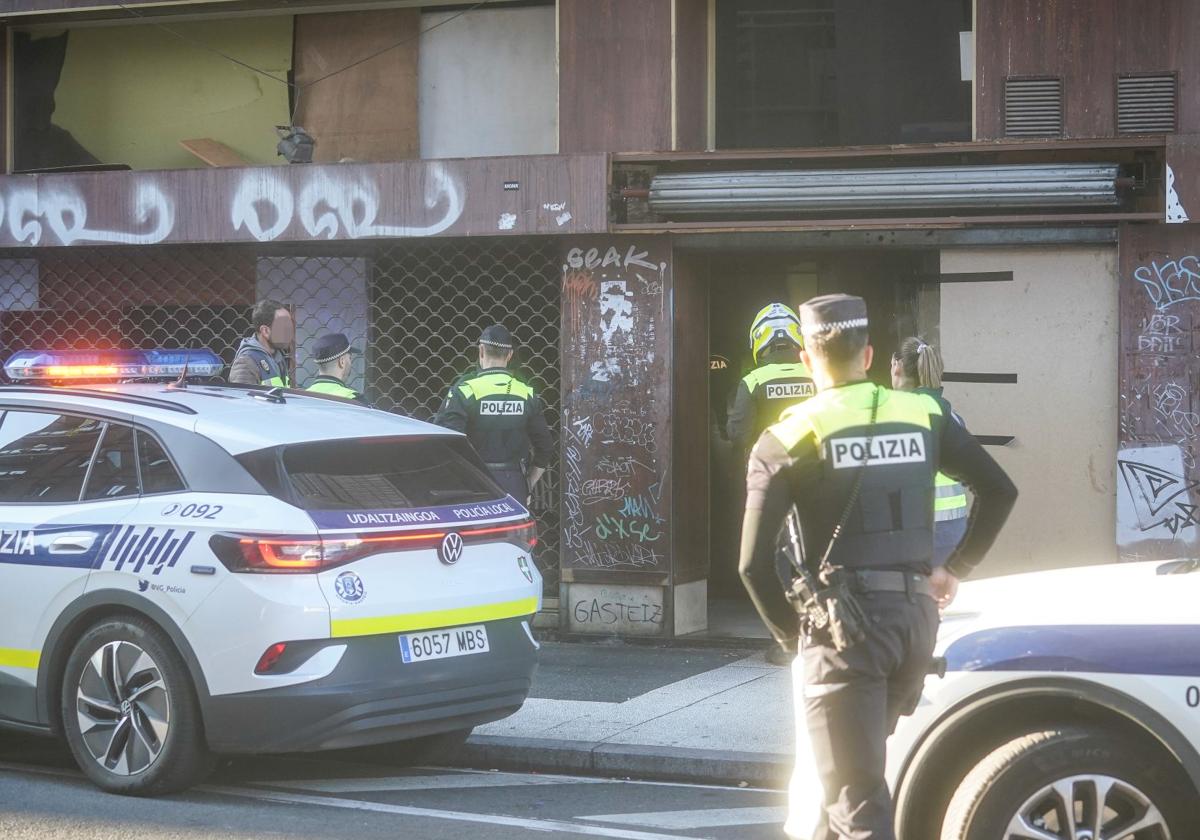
[[1069, 709], [193, 569]]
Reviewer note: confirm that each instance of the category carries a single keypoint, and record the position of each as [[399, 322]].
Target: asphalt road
[[42, 795]]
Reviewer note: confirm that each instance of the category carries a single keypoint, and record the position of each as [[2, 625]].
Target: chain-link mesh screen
[[415, 307], [110, 298], [428, 303]]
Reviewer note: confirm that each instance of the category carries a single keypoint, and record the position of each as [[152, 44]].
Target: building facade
[[623, 183]]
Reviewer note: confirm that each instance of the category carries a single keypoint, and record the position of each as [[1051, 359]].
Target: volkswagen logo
[[451, 549]]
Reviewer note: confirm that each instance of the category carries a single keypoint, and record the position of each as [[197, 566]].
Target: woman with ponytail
[[917, 366]]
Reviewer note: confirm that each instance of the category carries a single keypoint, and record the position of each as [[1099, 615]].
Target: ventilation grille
[[1033, 107], [1146, 104]]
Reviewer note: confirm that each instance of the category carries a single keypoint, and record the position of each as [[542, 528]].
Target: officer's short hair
[[838, 346], [263, 314]]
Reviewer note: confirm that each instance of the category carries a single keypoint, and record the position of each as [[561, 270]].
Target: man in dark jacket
[[261, 357]]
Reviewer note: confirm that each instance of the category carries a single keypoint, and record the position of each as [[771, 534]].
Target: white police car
[[1069, 710], [208, 569]]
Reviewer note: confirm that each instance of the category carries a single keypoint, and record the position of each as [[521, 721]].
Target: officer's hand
[[945, 587]]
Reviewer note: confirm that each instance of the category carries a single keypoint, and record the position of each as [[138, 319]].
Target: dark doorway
[[891, 281]]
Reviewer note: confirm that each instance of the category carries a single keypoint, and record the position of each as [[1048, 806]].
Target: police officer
[[780, 381], [917, 366], [858, 462], [335, 357], [260, 358], [501, 416]]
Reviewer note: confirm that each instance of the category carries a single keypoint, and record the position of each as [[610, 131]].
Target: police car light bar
[[114, 365]]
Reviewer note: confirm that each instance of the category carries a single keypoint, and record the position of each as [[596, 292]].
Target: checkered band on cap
[[830, 313], [497, 336], [817, 329], [331, 346], [324, 359]]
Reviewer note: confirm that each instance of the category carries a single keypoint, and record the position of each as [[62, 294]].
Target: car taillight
[[270, 658], [252, 553]]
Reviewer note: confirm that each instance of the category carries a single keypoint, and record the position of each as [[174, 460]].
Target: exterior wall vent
[[1033, 107], [1147, 104]]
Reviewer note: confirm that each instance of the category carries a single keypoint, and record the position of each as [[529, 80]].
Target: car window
[[158, 473], [386, 473], [44, 457], [114, 470]]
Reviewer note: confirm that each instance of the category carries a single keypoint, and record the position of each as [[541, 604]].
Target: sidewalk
[[704, 715]]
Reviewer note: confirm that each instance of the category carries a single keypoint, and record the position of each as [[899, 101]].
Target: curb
[[594, 758], [546, 634]]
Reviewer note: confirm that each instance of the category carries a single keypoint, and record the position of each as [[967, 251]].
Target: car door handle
[[72, 544]]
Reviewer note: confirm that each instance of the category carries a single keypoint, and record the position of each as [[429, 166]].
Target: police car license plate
[[442, 644]]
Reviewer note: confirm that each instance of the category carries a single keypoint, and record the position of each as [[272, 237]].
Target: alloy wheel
[[1089, 807], [124, 708]]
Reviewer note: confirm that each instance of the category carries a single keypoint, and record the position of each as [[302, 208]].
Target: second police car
[[1069, 709], [204, 569]]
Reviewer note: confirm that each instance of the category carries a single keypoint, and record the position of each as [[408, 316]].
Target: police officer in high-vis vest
[[917, 366], [780, 381], [260, 358], [856, 464], [335, 358], [502, 417]]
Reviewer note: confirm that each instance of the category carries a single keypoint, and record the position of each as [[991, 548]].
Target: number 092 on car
[[442, 644]]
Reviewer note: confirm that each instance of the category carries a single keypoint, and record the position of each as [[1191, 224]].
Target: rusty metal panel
[[546, 194], [1158, 492], [616, 406], [615, 75]]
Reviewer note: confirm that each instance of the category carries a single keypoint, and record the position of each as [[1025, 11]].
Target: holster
[[832, 613]]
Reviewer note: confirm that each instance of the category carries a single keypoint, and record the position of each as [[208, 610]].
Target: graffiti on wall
[[614, 449], [58, 215], [1170, 281], [630, 610], [1157, 500], [330, 205], [1158, 497], [335, 204], [351, 201]]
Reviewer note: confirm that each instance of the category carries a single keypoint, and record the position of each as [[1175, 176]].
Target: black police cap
[[497, 336], [329, 347]]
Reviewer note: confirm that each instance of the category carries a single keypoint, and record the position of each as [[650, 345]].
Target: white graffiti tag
[[355, 204], [330, 205], [64, 211], [257, 192]]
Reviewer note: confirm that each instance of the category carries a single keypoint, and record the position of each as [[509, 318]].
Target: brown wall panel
[[691, 74], [614, 75], [1145, 43], [690, 430], [507, 196], [1158, 474], [4, 105], [616, 421], [1088, 43], [369, 112], [1189, 69]]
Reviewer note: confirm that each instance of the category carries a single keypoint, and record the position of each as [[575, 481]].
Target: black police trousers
[[512, 479], [852, 702]]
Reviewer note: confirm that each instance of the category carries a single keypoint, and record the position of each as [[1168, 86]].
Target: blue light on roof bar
[[110, 365]]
